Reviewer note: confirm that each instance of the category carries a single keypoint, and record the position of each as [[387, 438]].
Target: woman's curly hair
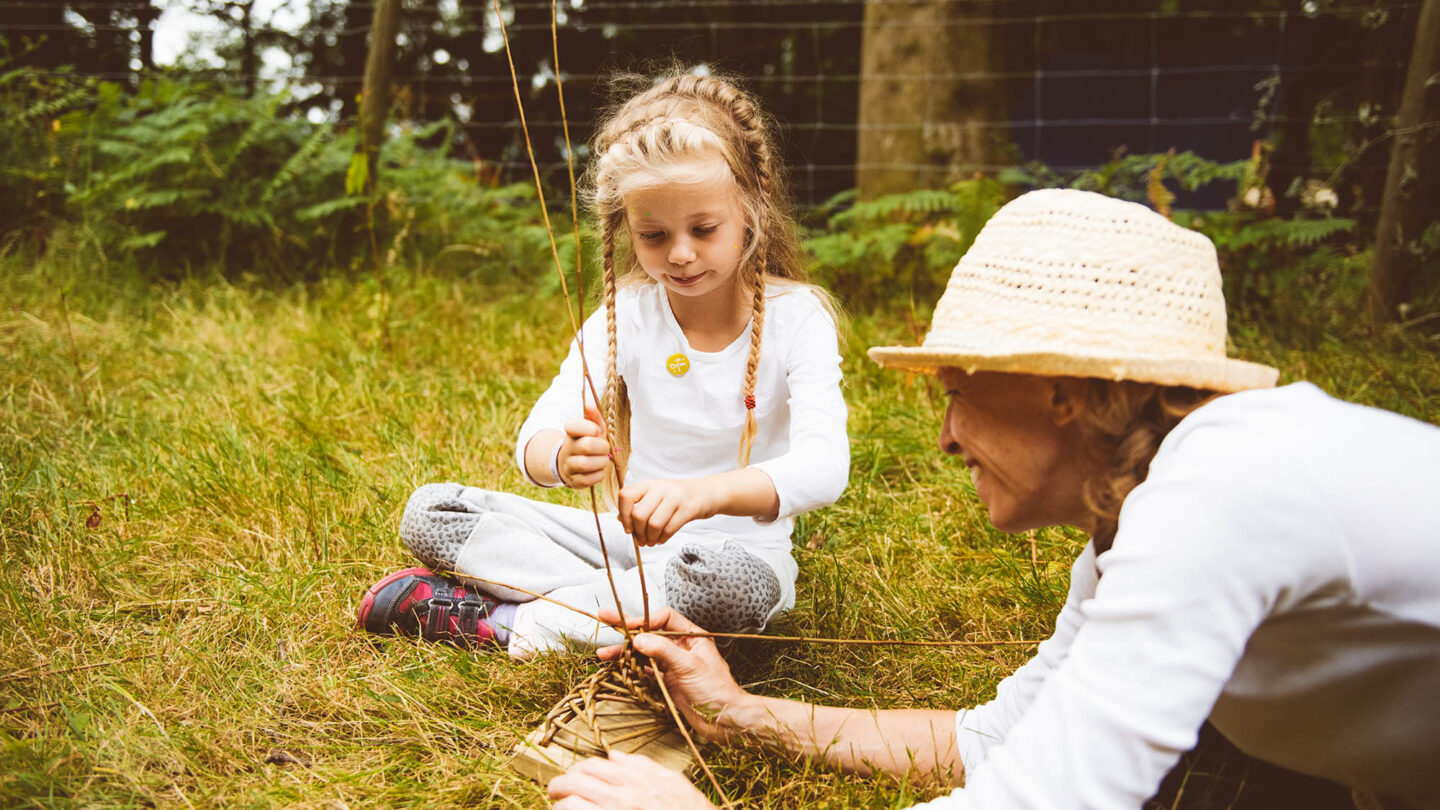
[[1125, 423]]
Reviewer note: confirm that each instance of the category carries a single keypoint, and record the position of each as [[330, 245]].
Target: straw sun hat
[[1076, 284]]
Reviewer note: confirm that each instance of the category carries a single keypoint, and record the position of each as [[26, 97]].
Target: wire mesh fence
[[1026, 80]]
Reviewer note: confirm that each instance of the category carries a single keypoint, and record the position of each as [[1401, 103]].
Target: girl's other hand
[[584, 451], [653, 511], [624, 782]]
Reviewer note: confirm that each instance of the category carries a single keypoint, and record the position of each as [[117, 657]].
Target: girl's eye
[[652, 236], [706, 230]]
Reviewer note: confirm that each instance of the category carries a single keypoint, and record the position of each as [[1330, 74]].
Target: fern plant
[[900, 244], [179, 175]]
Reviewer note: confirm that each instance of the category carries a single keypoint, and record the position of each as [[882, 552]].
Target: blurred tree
[[114, 38], [449, 63], [931, 109], [1412, 184]]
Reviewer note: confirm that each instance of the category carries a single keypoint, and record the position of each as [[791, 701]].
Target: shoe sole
[[368, 602]]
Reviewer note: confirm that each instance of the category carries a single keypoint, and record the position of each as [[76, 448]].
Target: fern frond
[[164, 197], [1290, 233], [298, 162], [310, 213]]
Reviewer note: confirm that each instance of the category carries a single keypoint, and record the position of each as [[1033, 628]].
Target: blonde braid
[[746, 115], [757, 329], [617, 398]]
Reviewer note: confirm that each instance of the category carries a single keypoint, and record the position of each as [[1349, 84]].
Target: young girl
[[723, 417]]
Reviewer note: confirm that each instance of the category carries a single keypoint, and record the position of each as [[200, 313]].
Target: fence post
[[1412, 187]]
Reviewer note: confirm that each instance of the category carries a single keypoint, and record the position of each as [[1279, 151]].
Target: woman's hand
[[653, 511], [624, 782], [584, 452], [698, 679]]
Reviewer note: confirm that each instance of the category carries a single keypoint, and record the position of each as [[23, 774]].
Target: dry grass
[[199, 481]]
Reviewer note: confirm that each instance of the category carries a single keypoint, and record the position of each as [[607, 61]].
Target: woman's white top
[[688, 425], [1279, 573]]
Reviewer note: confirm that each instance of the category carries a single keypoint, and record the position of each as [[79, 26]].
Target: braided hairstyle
[[669, 124]]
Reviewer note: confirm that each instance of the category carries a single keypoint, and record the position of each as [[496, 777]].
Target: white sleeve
[[1202, 556], [561, 401], [814, 470]]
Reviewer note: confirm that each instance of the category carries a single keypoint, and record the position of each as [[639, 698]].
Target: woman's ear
[[1067, 399]]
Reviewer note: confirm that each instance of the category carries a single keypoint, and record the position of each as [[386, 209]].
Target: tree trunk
[[929, 103], [249, 62], [375, 97], [1412, 184], [146, 18]]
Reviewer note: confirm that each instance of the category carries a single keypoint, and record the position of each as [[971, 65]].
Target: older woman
[[1265, 558]]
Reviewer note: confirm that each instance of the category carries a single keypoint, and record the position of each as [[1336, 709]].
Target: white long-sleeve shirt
[[1279, 573], [689, 425]]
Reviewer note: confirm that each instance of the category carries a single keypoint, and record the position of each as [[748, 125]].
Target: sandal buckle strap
[[437, 616], [471, 610]]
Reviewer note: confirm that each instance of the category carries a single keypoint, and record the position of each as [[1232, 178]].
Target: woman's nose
[[949, 443]]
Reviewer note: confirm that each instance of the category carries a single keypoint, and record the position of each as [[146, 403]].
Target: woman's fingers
[[662, 618], [576, 803], [624, 781]]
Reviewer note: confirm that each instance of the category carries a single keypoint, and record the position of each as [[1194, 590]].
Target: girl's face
[[1017, 434], [689, 236]]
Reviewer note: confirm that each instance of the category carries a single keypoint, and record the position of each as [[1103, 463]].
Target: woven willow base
[[619, 707]]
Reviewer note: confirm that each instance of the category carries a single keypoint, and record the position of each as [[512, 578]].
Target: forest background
[[234, 340]]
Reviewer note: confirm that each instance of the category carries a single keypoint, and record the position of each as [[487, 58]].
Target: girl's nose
[[681, 252]]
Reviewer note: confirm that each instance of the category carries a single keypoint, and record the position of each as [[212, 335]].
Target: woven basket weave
[[617, 708], [1072, 283]]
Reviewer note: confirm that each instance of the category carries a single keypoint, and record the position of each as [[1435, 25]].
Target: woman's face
[[1018, 436]]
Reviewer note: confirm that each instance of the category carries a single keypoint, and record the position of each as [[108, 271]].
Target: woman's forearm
[[898, 742]]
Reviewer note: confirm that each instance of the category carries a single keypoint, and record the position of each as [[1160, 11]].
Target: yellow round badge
[[677, 364]]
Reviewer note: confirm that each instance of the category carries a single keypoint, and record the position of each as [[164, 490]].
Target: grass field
[[199, 480]]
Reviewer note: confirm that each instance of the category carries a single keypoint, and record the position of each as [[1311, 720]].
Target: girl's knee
[[725, 589], [436, 524]]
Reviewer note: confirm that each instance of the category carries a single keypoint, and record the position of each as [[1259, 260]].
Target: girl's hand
[[697, 678], [653, 511], [624, 782], [584, 451]]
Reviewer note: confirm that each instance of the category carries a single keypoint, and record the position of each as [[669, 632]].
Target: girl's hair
[[1125, 422], [640, 145]]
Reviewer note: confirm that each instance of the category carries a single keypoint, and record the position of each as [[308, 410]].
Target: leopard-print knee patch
[[725, 590]]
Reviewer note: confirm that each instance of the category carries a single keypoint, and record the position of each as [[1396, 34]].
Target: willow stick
[[857, 642], [675, 712], [559, 271], [534, 166]]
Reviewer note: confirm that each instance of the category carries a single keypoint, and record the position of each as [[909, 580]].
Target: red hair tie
[[750, 402]]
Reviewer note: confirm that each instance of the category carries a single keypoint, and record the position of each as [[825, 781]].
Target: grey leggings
[[492, 540]]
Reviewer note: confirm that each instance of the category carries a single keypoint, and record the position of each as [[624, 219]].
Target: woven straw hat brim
[[1218, 374]]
